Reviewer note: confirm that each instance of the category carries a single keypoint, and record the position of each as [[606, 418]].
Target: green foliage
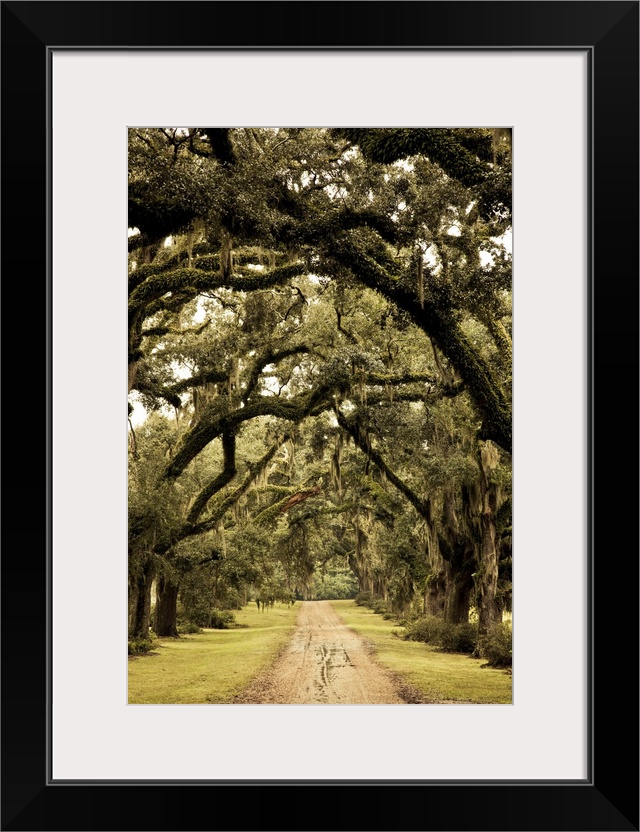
[[427, 630], [459, 638], [405, 621], [188, 628], [452, 638], [155, 506], [221, 620], [376, 605], [335, 583], [140, 645], [379, 606], [497, 645]]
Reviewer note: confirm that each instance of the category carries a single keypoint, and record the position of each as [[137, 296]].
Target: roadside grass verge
[[436, 676], [213, 666]]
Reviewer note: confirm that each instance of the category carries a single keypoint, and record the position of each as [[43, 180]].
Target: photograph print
[[319, 415]]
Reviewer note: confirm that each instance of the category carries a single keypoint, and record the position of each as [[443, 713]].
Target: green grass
[[439, 677], [212, 666]]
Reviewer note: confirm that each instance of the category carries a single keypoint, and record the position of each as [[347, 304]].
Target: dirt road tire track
[[324, 662]]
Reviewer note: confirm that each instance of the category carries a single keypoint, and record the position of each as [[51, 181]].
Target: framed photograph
[[560, 79]]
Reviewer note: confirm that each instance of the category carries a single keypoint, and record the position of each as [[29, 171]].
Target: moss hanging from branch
[[194, 281], [441, 325], [363, 441]]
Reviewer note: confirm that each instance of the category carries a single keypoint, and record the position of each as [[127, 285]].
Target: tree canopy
[[319, 330]]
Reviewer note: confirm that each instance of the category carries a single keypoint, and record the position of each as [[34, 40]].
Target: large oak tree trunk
[[166, 608], [487, 575], [434, 594], [458, 597], [434, 598], [140, 601], [487, 581], [456, 552]]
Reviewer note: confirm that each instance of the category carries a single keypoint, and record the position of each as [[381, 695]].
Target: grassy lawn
[[212, 666], [440, 677]]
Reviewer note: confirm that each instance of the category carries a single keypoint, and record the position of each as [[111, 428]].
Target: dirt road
[[323, 663]]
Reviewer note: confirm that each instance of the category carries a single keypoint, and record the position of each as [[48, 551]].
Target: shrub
[[496, 645], [363, 599], [458, 638], [425, 629], [188, 628], [222, 619], [379, 606], [139, 645], [451, 638], [388, 616]]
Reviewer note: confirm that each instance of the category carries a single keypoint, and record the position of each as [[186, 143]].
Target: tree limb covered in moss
[[269, 356], [191, 527], [405, 378], [502, 340], [350, 336], [147, 388], [209, 428], [225, 476], [198, 380], [221, 144], [314, 230], [362, 441], [441, 325], [193, 281], [146, 270], [446, 147]]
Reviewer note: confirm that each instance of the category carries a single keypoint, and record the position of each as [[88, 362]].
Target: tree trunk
[[434, 598], [166, 608], [132, 374], [140, 602], [487, 581], [458, 598], [456, 553], [487, 575]]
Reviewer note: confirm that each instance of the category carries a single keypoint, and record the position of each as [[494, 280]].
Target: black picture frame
[[608, 798]]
